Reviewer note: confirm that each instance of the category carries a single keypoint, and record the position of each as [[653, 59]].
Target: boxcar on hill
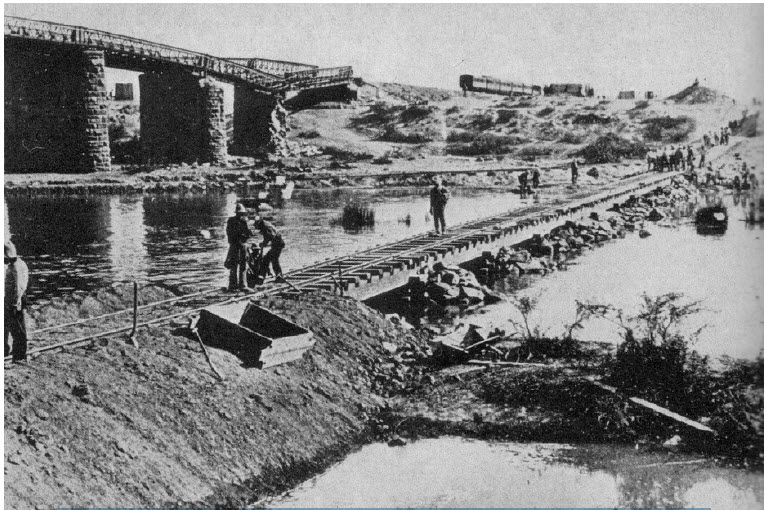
[[495, 86], [569, 89]]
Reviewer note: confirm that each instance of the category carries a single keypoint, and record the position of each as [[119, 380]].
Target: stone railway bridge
[[56, 108]]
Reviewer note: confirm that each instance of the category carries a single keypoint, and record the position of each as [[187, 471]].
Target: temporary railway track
[[348, 271]]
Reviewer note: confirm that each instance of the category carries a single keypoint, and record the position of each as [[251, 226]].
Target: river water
[[459, 473], [724, 273], [85, 243]]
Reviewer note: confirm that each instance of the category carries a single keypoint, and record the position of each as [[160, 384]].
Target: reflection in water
[[86, 243], [453, 472]]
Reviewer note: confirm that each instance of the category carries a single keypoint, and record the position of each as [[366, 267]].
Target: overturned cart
[[254, 334]]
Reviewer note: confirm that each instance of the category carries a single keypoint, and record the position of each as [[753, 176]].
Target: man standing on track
[[437, 202], [16, 282], [237, 233]]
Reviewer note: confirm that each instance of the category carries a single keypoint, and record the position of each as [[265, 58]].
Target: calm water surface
[[724, 272], [87, 243], [454, 472]]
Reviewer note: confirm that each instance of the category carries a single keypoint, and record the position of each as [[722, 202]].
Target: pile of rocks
[[540, 254], [449, 285]]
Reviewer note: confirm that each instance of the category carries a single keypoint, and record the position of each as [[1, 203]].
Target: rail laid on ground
[[348, 271]]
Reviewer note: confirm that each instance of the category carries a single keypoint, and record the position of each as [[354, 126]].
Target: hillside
[[417, 122]]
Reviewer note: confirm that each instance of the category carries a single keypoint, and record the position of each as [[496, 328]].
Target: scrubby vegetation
[[611, 148], [470, 144], [392, 134], [309, 134], [668, 129], [592, 118], [545, 111], [356, 216]]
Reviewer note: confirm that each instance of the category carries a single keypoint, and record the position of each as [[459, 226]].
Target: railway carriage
[[495, 86]]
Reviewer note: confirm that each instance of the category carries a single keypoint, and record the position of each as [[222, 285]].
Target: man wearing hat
[[437, 202], [237, 233], [274, 239], [16, 282]]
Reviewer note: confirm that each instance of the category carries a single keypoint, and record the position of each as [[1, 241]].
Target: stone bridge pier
[[55, 110], [182, 118], [260, 122]]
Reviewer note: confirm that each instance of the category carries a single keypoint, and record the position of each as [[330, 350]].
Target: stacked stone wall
[[55, 110]]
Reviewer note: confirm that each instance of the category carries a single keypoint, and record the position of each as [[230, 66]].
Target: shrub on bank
[[611, 148], [485, 143], [668, 129], [655, 362], [394, 135], [345, 155], [545, 111], [571, 138]]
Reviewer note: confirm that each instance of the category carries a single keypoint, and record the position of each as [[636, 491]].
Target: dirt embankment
[[112, 426]]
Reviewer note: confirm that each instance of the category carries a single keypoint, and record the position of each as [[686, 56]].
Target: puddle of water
[[455, 472]]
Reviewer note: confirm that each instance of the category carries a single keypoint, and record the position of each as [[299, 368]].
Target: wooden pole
[[207, 356], [340, 280], [132, 336]]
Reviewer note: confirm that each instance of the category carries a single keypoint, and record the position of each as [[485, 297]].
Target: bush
[[356, 216], [452, 110], [309, 134], [546, 111], [413, 113], [392, 134], [655, 362], [534, 151], [668, 129], [344, 154], [591, 118], [484, 143], [611, 148], [571, 138], [505, 116], [461, 137]]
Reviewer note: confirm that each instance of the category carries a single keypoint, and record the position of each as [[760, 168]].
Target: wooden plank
[[656, 408]]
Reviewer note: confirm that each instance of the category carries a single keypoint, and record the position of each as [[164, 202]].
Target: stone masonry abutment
[[55, 110], [182, 119]]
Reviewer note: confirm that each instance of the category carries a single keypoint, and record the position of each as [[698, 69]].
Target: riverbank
[[111, 425], [400, 173]]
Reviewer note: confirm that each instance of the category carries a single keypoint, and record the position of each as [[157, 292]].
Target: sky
[[659, 47]]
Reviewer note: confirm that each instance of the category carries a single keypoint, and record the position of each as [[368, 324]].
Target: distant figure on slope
[[702, 157], [574, 171], [536, 178], [437, 203], [237, 233], [523, 184], [274, 239], [16, 282]]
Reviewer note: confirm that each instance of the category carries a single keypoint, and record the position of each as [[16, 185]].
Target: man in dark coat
[[273, 239], [16, 282], [437, 203], [574, 171], [237, 233], [536, 178]]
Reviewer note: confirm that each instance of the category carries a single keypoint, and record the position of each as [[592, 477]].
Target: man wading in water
[[439, 197]]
